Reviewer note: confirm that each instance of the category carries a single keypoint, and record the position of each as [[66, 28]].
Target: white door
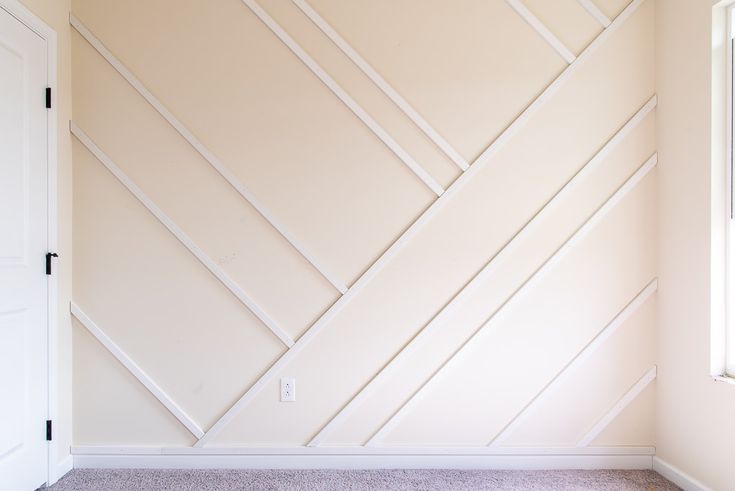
[[23, 243]]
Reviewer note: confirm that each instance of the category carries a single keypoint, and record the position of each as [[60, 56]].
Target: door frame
[[34, 23]]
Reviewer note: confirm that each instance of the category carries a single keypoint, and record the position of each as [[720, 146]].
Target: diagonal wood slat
[[416, 226], [185, 240], [382, 84], [575, 363], [595, 12], [541, 30], [391, 369], [136, 371], [624, 402], [342, 94], [413, 229], [212, 159], [507, 306]]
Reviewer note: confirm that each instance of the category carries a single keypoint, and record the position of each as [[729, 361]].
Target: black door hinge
[[48, 97], [48, 430], [49, 255]]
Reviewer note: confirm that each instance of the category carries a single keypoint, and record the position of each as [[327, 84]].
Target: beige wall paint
[[694, 426], [347, 197], [55, 13]]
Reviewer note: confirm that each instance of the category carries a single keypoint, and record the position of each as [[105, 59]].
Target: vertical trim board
[[576, 362], [136, 371], [542, 30], [417, 224], [382, 84], [624, 402], [212, 159], [461, 297], [185, 240], [538, 275]]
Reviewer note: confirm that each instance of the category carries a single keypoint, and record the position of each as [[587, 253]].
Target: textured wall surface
[[469, 68]]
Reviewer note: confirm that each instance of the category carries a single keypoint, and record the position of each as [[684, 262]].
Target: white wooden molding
[[177, 232], [414, 228], [542, 30], [394, 366], [507, 306], [382, 84], [346, 99], [136, 371], [624, 401], [678, 476], [212, 159], [363, 458], [595, 12], [359, 450], [575, 363]]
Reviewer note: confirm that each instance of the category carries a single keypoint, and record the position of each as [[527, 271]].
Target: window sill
[[725, 378]]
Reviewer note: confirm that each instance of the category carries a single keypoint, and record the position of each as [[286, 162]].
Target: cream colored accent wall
[[469, 68]]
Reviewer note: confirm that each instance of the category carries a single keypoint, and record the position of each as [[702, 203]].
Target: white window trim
[[722, 261], [728, 368]]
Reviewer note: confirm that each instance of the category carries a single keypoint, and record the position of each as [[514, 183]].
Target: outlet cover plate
[[288, 389]]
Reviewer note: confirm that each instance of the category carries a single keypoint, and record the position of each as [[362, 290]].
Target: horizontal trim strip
[[364, 461], [299, 450]]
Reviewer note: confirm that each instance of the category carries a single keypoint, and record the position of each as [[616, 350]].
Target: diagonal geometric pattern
[[574, 196]]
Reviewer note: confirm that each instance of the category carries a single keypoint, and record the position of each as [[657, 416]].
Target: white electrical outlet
[[288, 389]]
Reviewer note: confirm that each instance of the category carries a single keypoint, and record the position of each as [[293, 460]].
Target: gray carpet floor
[[139, 479]]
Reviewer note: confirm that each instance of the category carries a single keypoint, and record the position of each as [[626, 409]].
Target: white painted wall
[[347, 197], [694, 425]]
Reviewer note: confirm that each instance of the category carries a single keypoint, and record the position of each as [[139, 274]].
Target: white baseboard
[[364, 458], [677, 476]]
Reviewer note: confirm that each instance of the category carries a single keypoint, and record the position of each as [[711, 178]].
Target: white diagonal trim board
[[542, 30], [136, 371], [575, 363], [212, 159], [177, 232], [348, 101], [595, 12], [382, 84], [516, 296], [414, 228], [624, 401], [391, 369]]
